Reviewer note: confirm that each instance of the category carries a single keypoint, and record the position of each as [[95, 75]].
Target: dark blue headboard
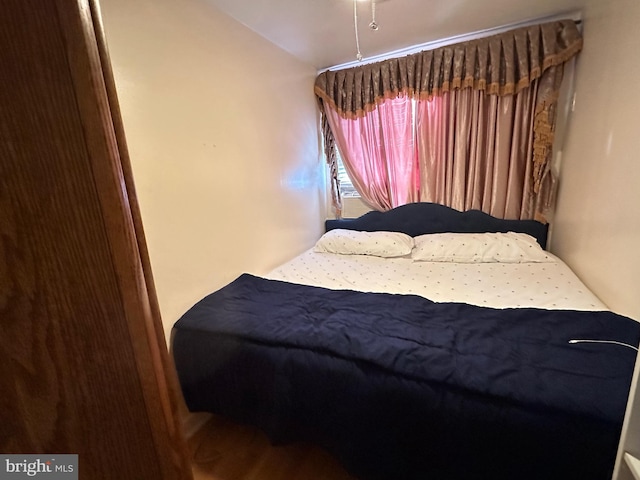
[[419, 218]]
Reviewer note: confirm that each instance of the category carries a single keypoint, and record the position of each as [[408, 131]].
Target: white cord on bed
[[603, 341]]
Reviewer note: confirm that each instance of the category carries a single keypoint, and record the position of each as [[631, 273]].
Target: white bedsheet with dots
[[550, 285]]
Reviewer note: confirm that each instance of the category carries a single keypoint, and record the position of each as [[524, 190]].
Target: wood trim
[[119, 205], [81, 367], [165, 370]]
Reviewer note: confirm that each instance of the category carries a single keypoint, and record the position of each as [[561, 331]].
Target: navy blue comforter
[[399, 387]]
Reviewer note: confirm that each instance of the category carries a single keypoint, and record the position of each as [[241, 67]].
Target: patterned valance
[[500, 64]]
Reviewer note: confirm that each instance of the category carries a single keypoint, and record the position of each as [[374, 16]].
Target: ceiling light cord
[[355, 27], [373, 25]]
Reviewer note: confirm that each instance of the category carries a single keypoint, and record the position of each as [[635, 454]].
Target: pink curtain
[[475, 122], [465, 149], [474, 151], [379, 152]]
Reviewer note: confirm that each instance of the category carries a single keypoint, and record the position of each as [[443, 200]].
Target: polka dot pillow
[[508, 247], [352, 242]]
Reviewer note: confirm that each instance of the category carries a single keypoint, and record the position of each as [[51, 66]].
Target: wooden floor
[[223, 450]]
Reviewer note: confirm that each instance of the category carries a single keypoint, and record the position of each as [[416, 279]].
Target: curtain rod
[[576, 16]]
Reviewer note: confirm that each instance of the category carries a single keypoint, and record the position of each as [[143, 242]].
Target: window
[[347, 190]]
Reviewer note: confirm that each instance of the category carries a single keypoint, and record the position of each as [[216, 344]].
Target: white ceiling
[[321, 33]]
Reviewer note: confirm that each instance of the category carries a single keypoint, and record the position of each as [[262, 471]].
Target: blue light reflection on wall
[[304, 177]]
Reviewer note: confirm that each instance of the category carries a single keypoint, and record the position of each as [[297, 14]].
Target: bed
[[408, 364]]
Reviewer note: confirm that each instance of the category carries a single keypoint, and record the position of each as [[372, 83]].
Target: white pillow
[[508, 247], [352, 242]]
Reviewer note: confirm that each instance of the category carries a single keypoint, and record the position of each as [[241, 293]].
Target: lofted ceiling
[[321, 32]]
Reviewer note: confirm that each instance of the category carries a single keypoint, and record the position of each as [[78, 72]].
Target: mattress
[[548, 285], [398, 386], [405, 367]]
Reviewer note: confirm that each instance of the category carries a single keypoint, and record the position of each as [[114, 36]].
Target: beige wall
[[353, 207], [597, 227], [222, 132]]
